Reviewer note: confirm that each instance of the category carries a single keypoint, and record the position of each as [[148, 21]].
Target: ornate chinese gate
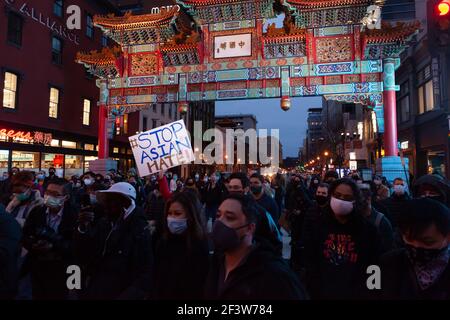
[[219, 50]]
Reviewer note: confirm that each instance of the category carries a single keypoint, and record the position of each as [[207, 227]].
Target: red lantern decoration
[[285, 103], [182, 107]]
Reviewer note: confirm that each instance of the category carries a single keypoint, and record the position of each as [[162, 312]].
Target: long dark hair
[[195, 227], [359, 205]]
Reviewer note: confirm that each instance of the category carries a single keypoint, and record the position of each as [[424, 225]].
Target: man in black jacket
[[117, 250], [244, 269], [420, 270], [265, 201], [10, 235], [47, 235], [396, 203]]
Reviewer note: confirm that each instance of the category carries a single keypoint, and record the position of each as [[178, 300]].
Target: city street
[[225, 150]]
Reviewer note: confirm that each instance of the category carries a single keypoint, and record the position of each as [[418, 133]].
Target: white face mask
[[399, 189], [341, 207], [88, 181]]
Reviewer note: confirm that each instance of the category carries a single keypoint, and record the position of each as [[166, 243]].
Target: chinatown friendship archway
[[216, 50]]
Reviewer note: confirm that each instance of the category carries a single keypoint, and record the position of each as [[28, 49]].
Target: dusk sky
[[292, 123]]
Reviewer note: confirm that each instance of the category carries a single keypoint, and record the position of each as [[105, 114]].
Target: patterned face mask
[[428, 264]]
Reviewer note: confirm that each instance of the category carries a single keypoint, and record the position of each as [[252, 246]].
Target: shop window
[[115, 150], [87, 159], [15, 27], [4, 157], [86, 112], [89, 147], [54, 143], [10, 90], [25, 160], [154, 124], [54, 102], [123, 150], [56, 161], [73, 166], [69, 144], [129, 151], [426, 97]]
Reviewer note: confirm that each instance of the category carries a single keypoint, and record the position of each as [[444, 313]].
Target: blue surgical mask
[[23, 196], [176, 225], [54, 202]]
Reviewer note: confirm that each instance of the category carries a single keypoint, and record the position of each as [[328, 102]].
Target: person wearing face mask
[[421, 270], [381, 191], [47, 235], [298, 203], [434, 187], [24, 199], [265, 201], [379, 220], [243, 267], [339, 246], [51, 176], [181, 258], [321, 196], [214, 193], [192, 188], [173, 182], [116, 252], [315, 181], [266, 227], [396, 203]]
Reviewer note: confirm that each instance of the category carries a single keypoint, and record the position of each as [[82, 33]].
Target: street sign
[[162, 148]]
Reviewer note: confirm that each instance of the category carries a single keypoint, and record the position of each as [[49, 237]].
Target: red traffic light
[[443, 7]]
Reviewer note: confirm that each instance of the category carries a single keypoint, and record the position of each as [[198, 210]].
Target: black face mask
[[224, 237], [422, 255], [321, 200]]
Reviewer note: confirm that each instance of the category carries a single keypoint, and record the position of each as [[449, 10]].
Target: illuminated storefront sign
[[36, 137]]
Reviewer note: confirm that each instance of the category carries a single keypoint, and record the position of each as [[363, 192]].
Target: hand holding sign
[[162, 148]]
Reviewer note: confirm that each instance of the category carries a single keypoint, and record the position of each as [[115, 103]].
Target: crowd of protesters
[[220, 237]]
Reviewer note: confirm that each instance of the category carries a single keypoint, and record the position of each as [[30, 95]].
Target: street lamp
[[318, 158], [325, 153]]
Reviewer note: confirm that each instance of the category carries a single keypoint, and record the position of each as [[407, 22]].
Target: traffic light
[[443, 14], [443, 8], [439, 22]]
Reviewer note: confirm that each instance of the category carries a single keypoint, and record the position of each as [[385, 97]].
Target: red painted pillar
[[103, 143], [390, 109]]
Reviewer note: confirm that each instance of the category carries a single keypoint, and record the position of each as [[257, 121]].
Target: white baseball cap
[[123, 188]]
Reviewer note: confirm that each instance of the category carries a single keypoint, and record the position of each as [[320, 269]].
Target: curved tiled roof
[[389, 34], [320, 4], [129, 21]]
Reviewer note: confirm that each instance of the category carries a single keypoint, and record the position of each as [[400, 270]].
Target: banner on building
[[162, 148]]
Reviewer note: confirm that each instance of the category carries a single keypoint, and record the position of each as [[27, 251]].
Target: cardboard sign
[[162, 148]]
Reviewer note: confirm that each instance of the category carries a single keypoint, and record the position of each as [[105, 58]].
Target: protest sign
[[162, 148]]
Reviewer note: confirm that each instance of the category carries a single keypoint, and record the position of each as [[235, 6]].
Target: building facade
[[48, 115], [422, 102]]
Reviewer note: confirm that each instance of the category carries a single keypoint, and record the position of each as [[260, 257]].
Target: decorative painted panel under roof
[[389, 41], [132, 29], [216, 11], [321, 13]]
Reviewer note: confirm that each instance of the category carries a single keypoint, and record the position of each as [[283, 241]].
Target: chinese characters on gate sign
[[239, 45]]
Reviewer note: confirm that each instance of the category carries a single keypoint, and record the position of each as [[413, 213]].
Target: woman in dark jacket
[[421, 270], [182, 255]]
